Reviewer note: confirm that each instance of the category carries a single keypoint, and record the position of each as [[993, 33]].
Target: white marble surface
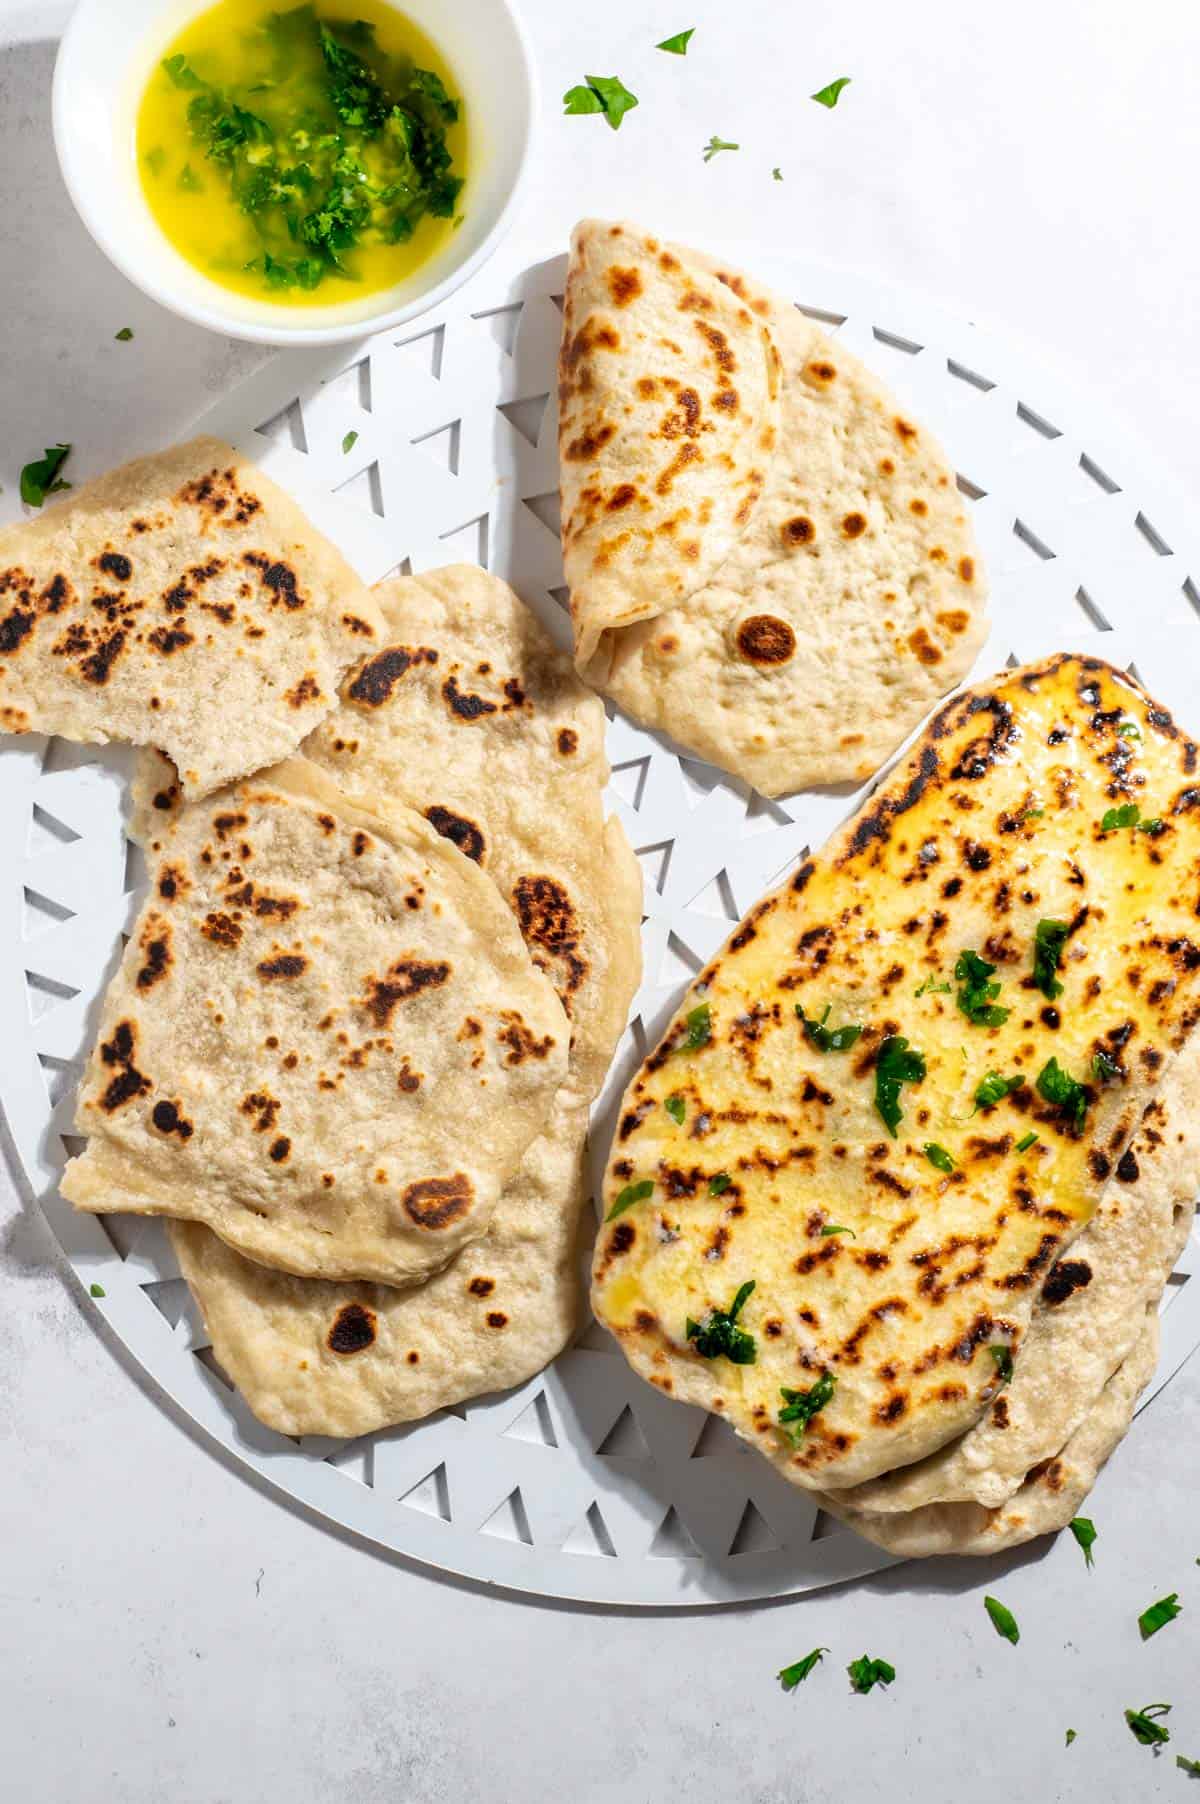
[[167, 1631]]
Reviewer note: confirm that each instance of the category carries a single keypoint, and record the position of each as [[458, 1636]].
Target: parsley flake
[[828, 96], [349, 442], [1048, 942], [993, 1088], [124, 335], [791, 1676], [632, 1193], [719, 1336], [897, 1064], [1104, 1067], [801, 1406], [605, 94], [1070, 1736], [938, 1156], [834, 1227], [1188, 1766], [41, 478], [1085, 1532], [776, 176], [719, 1183], [866, 1673], [1057, 1087], [676, 1108], [699, 1029], [1026, 1141], [931, 984], [97, 1290], [1159, 1615], [1144, 1726], [1003, 1620], [977, 997], [827, 1039], [715, 144], [1129, 729], [1004, 1362], [677, 46], [1127, 815]]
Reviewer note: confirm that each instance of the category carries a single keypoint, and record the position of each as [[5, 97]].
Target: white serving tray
[[584, 1483]]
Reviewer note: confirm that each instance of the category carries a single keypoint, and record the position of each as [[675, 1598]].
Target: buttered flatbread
[[893, 1101], [182, 601], [472, 717], [767, 557], [326, 1039]]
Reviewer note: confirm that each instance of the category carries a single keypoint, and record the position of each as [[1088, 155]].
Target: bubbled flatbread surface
[[326, 1039], [182, 601], [1051, 1494], [798, 636], [518, 786], [993, 825], [1091, 1311]]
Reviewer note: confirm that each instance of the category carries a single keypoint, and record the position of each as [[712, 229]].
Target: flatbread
[[326, 1039], [518, 786], [1050, 1496], [872, 1264], [793, 602], [1092, 1310], [182, 601]]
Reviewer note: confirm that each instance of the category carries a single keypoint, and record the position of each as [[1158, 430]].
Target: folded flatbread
[[326, 1040], [182, 601], [888, 1109], [470, 715], [767, 557]]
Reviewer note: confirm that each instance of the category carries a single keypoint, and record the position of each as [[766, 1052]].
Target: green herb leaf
[[181, 71], [719, 1183], [1058, 1088], [188, 182], [677, 46], [349, 442], [938, 1156], [1085, 1532], [1159, 1615], [155, 160], [1004, 1362], [1127, 815], [835, 1228], [1153, 827], [828, 96], [1003, 1620], [1145, 1727], [605, 94], [632, 1193], [976, 998], [1188, 1766], [719, 1336], [1026, 1141], [931, 984], [124, 335], [776, 176], [97, 1290], [40, 478], [715, 144], [1104, 1068], [1048, 943], [827, 1039], [791, 1676], [801, 1406], [676, 1108], [896, 1064], [1129, 729], [699, 1029], [866, 1673], [1070, 1736], [994, 1088]]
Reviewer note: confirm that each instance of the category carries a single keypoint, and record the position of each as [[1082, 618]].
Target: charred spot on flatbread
[[551, 929], [376, 680], [353, 1329], [765, 639], [460, 831], [127, 1082], [435, 1202], [407, 977]]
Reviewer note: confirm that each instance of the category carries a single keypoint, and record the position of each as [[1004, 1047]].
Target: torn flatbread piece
[[182, 601], [326, 1040], [768, 558]]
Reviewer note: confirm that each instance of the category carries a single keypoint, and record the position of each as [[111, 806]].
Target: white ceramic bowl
[[107, 54]]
